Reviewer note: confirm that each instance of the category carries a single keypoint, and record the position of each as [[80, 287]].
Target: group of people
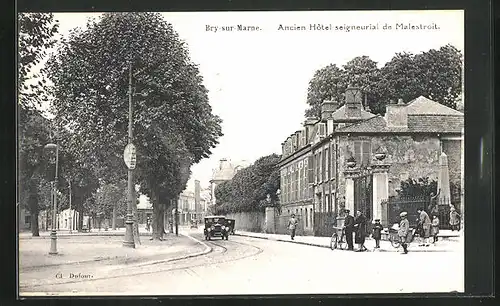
[[426, 228]]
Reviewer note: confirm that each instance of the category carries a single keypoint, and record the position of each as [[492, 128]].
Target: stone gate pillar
[[380, 188], [270, 225], [349, 189]]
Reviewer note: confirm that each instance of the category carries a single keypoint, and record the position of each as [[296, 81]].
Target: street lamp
[[53, 233]]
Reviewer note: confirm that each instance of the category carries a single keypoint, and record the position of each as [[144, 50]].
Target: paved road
[[246, 265]]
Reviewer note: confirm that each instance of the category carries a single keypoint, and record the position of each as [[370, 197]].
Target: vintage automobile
[[193, 224], [230, 224], [215, 226]]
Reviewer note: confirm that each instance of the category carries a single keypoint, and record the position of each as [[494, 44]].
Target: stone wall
[[409, 157], [249, 221], [452, 149]]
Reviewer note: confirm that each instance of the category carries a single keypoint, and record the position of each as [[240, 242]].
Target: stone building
[[191, 206], [356, 159], [224, 172]]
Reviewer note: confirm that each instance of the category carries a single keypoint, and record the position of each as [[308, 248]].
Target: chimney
[[298, 141], [327, 109], [396, 115], [353, 102], [309, 126]]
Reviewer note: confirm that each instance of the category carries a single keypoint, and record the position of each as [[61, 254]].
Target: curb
[[83, 235], [328, 247], [207, 250], [289, 241]]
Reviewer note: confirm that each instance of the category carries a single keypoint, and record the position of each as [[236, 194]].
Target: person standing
[[404, 228], [360, 236], [377, 233], [454, 219], [435, 228], [292, 225], [425, 223], [349, 229]]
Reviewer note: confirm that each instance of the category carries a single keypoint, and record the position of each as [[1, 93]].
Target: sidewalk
[[446, 243], [81, 249]]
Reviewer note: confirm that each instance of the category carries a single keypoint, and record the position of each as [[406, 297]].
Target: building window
[[362, 152], [311, 216], [327, 168], [320, 166], [296, 177], [333, 161], [300, 184], [307, 219]]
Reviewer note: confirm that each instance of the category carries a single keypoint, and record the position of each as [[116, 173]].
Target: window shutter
[[310, 170], [366, 152], [357, 152], [322, 129], [327, 164]]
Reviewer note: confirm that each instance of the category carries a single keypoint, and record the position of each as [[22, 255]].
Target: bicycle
[[396, 240], [336, 241]]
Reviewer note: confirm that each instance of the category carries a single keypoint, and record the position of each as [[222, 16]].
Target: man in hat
[[377, 233], [349, 229], [404, 227], [425, 224], [292, 225]]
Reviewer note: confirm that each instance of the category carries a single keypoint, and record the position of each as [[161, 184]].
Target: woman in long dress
[[360, 226]]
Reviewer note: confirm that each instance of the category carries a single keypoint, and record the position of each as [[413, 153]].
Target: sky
[[258, 80]]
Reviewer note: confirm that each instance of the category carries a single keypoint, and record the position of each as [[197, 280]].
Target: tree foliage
[[248, 189], [435, 74], [173, 122], [36, 35], [422, 187], [106, 198]]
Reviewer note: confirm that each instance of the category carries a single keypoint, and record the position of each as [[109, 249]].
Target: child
[[377, 230], [435, 228]]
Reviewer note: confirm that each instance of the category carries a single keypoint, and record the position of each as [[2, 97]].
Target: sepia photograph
[[240, 153]]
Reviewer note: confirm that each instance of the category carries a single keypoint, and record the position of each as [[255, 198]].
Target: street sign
[[129, 156]]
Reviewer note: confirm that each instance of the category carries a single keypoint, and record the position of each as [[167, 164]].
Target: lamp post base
[[129, 235], [53, 243]]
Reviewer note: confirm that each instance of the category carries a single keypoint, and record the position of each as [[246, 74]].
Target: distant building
[[66, 219], [144, 209], [225, 172]]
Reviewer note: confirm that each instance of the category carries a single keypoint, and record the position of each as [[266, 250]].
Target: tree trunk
[[157, 217], [80, 218], [113, 222], [34, 224]]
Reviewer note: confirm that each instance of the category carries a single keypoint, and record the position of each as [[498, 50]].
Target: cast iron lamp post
[[53, 233]]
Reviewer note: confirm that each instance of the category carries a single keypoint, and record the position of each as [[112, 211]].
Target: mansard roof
[[340, 114], [423, 116]]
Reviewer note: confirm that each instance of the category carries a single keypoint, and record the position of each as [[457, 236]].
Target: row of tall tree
[[173, 122], [247, 191], [89, 76], [435, 74]]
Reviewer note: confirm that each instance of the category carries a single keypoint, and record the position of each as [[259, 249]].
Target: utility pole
[[129, 235]]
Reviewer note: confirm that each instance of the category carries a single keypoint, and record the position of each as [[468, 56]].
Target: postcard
[[241, 153]]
